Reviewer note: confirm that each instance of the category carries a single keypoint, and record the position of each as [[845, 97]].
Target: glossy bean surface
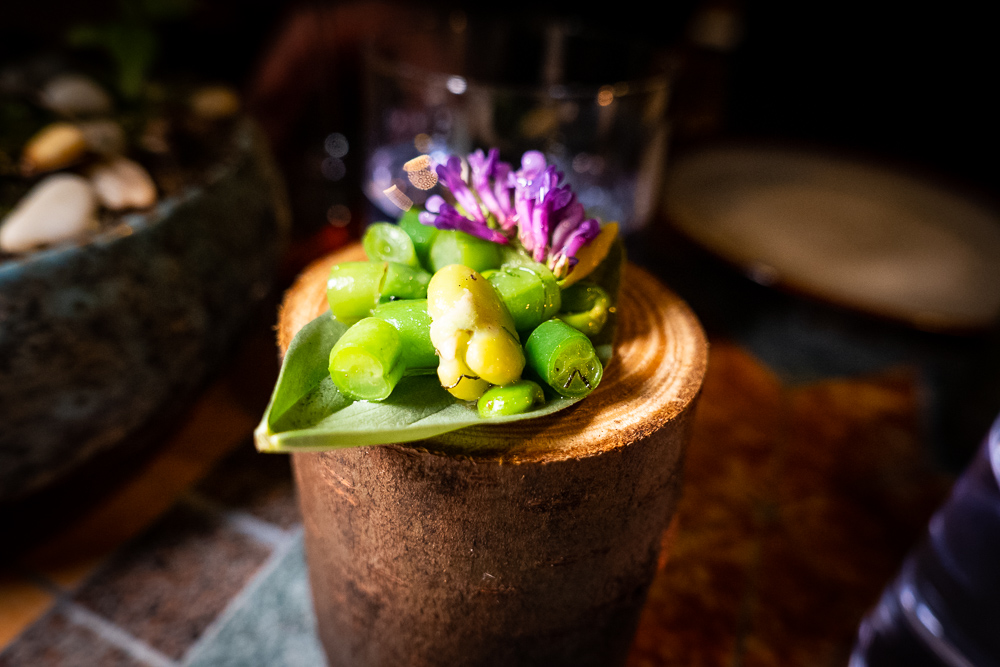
[[411, 320], [456, 247], [585, 307], [366, 363], [563, 358], [421, 235], [512, 399], [530, 294], [473, 333], [355, 288], [387, 242]]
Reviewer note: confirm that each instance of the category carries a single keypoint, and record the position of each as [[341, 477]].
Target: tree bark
[[537, 550]]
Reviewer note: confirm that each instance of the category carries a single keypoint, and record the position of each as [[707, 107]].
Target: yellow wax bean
[[472, 332]]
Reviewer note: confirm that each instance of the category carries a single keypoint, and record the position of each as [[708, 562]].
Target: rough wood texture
[[538, 551]]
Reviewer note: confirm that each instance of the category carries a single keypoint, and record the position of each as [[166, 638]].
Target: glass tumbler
[[944, 606], [597, 108]]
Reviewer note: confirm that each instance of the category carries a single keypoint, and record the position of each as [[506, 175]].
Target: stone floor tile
[[169, 585], [274, 625], [259, 484], [55, 641], [215, 425]]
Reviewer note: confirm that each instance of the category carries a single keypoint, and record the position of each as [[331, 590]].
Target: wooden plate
[[860, 235]]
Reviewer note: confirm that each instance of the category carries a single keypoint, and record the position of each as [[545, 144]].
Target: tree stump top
[[655, 375]]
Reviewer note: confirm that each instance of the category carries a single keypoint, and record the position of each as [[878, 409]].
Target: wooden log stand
[[539, 549]]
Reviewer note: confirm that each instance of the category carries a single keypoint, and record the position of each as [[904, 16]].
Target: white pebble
[[121, 184], [105, 137], [59, 208], [74, 94]]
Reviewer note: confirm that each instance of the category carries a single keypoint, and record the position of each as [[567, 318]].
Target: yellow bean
[[472, 332]]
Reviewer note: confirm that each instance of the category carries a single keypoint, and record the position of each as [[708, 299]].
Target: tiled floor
[[152, 600], [799, 503]]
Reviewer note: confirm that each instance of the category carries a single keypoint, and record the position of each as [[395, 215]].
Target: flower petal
[[495, 196], [451, 174], [448, 217], [572, 216]]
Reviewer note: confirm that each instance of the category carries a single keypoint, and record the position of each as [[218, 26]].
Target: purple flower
[[489, 180], [443, 215], [451, 175], [565, 258], [548, 219], [532, 165], [571, 217]]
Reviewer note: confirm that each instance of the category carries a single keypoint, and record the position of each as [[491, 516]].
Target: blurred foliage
[[131, 40]]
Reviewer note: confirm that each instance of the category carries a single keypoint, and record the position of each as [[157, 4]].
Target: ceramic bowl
[[98, 337]]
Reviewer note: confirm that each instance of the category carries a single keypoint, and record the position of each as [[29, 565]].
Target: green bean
[[386, 242], [411, 320], [511, 399], [529, 292], [367, 361], [563, 358], [404, 282], [421, 235], [585, 307], [457, 247], [355, 288]]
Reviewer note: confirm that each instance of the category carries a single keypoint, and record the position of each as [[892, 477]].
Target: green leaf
[[305, 366], [308, 413]]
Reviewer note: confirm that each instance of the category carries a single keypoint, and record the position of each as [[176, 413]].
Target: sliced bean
[[411, 320], [355, 288], [404, 282], [367, 361], [529, 292], [585, 307], [384, 241], [421, 235], [457, 247], [563, 358]]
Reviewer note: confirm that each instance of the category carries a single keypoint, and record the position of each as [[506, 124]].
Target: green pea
[[511, 399], [585, 307], [422, 235], [456, 247], [529, 292], [411, 320], [384, 241], [563, 358], [367, 362]]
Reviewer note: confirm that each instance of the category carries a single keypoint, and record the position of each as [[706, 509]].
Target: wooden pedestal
[[539, 549]]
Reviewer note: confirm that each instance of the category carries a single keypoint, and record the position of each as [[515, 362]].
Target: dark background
[[914, 85]]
